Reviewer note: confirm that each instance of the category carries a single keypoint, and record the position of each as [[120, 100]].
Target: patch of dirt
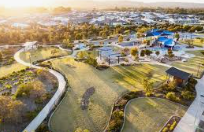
[[85, 99]]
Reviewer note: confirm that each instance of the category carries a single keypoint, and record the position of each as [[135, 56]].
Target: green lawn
[[192, 65], [199, 53], [150, 115], [42, 53], [6, 70], [109, 85]]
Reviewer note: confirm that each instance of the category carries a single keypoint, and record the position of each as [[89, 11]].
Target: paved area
[[192, 117]]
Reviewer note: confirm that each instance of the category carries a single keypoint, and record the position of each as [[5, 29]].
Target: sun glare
[[21, 3]]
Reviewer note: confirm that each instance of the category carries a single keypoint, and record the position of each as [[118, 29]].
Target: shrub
[[172, 96], [165, 129], [23, 90], [173, 126], [187, 95]]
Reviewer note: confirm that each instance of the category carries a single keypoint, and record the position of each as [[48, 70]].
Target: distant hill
[[90, 4]]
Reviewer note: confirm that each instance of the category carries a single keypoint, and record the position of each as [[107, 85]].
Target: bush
[[165, 129], [187, 95], [173, 126], [172, 96]]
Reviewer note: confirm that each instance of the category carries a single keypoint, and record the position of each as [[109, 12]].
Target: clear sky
[[24, 3]]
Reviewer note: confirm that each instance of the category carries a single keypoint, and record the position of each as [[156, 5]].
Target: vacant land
[[193, 65], [108, 84], [42, 53], [150, 115]]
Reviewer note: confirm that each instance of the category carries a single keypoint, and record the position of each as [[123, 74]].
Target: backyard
[[108, 86], [150, 114]]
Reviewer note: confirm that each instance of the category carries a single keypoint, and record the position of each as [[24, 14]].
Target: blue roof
[[166, 41], [162, 39], [157, 32], [165, 32], [169, 42]]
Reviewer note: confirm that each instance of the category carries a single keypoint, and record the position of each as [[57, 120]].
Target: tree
[[134, 52], [177, 36], [10, 110], [148, 86], [143, 52], [170, 53], [148, 52], [120, 39], [157, 53]]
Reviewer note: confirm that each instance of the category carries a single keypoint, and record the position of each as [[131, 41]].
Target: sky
[[25, 3]]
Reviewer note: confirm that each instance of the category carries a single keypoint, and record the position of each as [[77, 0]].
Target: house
[[180, 77]]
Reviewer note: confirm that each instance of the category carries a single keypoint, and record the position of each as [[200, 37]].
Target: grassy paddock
[[150, 115], [109, 85], [42, 53]]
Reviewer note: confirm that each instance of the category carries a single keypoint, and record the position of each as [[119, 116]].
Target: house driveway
[[192, 117]]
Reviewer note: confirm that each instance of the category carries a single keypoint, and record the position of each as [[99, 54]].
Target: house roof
[[178, 73]]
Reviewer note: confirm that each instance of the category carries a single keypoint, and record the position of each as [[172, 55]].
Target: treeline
[[177, 10], [60, 33]]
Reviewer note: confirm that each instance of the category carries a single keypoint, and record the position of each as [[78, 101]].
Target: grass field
[[109, 85], [42, 53], [195, 42], [193, 65], [6, 70], [199, 53], [150, 115]]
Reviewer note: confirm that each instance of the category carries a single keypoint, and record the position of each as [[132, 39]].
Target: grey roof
[[178, 73]]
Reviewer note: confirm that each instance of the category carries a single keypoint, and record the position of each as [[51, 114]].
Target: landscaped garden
[[22, 95], [101, 87], [150, 114]]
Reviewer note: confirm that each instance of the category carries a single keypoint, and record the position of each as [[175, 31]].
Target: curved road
[[54, 100]]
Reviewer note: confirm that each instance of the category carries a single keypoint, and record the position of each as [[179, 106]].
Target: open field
[[193, 65], [150, 115], [6, 70], [195, 42], [109, 85], [42, 53]]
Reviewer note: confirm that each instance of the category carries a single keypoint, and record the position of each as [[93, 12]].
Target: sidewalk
[[192, 117]]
